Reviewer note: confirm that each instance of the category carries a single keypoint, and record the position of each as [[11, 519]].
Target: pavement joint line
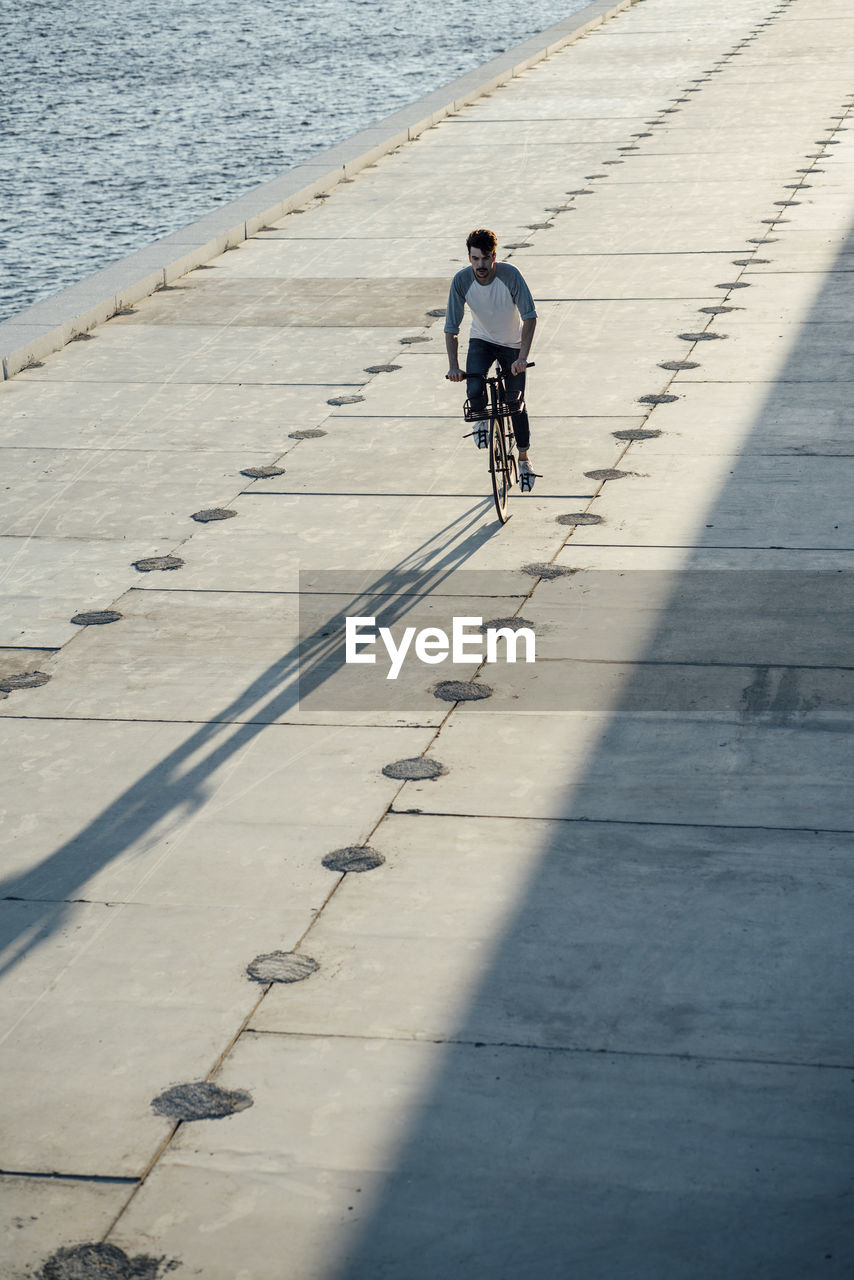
[[262, 591], [82, 902], [30, 648], [557, 1048], [687, 662], [263, 724], [69, 1177], [630, 822], [717, 546]]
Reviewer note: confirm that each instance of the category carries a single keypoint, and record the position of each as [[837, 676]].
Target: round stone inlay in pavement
[[461, 691], [548, 571], [699, 337], [523, 244], [607, 473], [733, 284], [310, 433], [578, 517], [718, 311], [415, 770], [96, 617], [392, 368], [750, 262], [438, 311], [212, 513], [356, 857], [24, 680], [613, 162], [659, 399], [348, 399], [762, 240], [797, 186], [102, 1262], [282, 966], [679, 364], [152, 563], [636, 433], [785, 204], [200, 1100], [539, 226], [262, 473], [408, 342], [511, 624]]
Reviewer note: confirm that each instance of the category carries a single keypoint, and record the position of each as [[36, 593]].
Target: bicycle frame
[[503, 467]]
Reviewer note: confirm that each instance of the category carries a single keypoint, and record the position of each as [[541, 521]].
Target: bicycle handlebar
[[529, 364]]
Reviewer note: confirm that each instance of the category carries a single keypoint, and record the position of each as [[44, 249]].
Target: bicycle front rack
[[500, 410]]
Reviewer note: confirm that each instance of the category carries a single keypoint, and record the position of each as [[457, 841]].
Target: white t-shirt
[[497, 309]]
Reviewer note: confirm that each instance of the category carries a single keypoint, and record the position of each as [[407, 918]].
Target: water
[[123, 120]]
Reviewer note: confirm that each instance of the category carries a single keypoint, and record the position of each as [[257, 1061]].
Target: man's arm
[[452, 346], [521, 363]]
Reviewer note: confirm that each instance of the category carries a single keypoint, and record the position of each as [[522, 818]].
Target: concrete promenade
[[587, 1013]]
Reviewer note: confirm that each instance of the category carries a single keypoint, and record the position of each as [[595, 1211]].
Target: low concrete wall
[[49, 325]]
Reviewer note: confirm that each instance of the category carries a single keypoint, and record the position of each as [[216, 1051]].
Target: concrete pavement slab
[[293, 671], [107, 493], [124, 415], [123, 835], [44, 581], [673, 559], [345, 1180], [785, 501], [190, 354], [313, 302], [711, 771], [603, 922], [276, 254], [783, 351], [621, 275], [42, 1216], [279, 536], [434, 455], [742, 419]]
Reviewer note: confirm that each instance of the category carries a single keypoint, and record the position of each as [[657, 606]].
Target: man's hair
[[486, 241]]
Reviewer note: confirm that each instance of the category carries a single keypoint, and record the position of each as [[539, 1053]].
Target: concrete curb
[[48, 325]]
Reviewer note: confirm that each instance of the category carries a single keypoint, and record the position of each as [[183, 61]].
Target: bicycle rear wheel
[[499, 468]]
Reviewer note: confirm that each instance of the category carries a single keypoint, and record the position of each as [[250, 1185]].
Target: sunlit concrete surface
[[587, 1013]]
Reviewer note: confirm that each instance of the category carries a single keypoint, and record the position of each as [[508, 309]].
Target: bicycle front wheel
[[499, 469]]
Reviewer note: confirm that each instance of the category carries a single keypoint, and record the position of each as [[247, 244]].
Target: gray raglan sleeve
[[456, 305], [521, 294]]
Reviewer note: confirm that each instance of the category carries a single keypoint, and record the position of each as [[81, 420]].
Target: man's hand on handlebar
[[518, 366], [455, 375]]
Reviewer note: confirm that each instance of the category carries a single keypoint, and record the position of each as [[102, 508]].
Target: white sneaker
[[527, 476], [481, 434]]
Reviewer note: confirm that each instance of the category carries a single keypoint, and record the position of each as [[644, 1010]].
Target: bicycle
[[503, 467]]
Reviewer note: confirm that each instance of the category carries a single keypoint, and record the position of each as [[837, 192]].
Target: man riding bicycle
[[502, 329]]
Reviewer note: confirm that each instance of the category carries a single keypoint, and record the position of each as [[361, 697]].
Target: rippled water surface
[[123, 120]]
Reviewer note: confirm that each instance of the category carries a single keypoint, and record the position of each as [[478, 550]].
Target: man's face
[[483, 263]]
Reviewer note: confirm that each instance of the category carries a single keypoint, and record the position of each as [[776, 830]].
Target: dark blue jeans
[[481, 356]]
